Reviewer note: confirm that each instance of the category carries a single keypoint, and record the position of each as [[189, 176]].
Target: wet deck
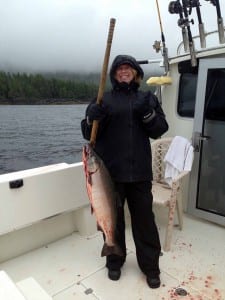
[[72, 268]]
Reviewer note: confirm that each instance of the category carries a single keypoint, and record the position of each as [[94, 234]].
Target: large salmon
[[102, 198]]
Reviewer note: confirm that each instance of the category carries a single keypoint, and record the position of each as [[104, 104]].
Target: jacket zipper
[[131, 137]]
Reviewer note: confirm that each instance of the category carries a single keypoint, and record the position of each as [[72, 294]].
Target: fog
[[70, 35]]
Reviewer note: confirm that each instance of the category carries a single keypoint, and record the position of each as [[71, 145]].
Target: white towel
[[178, 158]]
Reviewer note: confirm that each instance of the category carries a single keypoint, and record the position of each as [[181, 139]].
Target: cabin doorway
[[207, 182]]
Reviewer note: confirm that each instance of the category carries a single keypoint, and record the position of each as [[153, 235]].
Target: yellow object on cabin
[[163, 80]]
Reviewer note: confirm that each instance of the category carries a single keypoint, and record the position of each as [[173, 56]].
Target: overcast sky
[[71, 34]]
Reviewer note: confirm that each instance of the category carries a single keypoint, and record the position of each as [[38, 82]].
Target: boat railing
[[180, 47], [37, 194]]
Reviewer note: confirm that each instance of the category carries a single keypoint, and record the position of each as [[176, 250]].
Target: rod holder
[[221, 30]]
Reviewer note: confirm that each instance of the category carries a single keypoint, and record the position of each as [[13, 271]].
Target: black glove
[[142, 107], [96, 112], [143, 110]]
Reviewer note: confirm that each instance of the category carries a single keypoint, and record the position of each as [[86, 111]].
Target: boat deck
[[71, 268]]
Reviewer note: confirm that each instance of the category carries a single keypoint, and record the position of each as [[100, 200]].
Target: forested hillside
[[24, 88], [48, 88]]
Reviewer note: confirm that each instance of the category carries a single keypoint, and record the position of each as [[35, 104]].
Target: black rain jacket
[[123, 138]]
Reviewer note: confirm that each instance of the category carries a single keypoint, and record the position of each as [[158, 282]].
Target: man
[[127, 119]]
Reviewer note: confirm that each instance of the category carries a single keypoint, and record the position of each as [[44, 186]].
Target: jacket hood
[[124, 59]]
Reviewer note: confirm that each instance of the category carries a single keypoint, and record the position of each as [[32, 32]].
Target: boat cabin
[[195, 108]]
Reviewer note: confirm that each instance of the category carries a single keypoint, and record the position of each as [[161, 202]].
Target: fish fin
[[109, 250]]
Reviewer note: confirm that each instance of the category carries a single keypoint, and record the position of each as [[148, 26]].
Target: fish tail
[[109, 250]]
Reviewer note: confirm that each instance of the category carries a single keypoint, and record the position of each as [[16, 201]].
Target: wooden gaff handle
[[103, 77]]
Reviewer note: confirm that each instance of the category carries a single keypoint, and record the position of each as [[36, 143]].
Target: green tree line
[[50, 88], [28, 88]]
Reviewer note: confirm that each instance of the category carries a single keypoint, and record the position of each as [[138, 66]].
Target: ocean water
[[37, 135]]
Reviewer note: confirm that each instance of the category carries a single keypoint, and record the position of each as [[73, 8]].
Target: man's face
[[124, 73]]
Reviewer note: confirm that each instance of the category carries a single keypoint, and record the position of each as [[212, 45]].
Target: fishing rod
[[176, 8], [103, 77], [216, 3], [182, 10], [190, 39], [164, 48], [196, 4], [200, 25]]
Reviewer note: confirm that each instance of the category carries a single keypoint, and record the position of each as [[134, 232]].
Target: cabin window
[[215, 95], [187, 88], [187, 93]]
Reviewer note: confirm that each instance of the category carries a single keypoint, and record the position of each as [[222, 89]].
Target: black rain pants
[[144, 230]]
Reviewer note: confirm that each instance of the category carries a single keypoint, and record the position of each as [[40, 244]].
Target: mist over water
[[37, 135], [59, 35]]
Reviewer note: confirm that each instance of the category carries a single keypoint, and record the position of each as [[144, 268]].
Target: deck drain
[[181, 292], [88, 291]]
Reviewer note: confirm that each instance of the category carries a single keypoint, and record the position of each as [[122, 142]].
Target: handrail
[[195, 37]]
